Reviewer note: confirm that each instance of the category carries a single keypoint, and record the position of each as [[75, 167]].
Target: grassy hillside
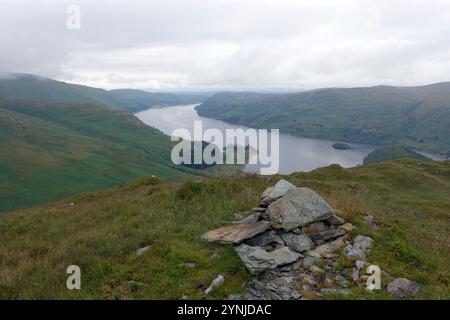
[[393, 152], [31, 87], [417, 116], [52, 150], [101, 231]]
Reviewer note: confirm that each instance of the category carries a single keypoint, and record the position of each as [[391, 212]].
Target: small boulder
[[354, 252], [253, 218], [298, 208], [335, 220], [348, 227], [327, 235], [236, 233], [257, 259], [218, 281], [311, 258], [256, 290], [143, 250], [264, 239], [331, 247], [361, 245], [298, 243], [315, 227], [363, 242], [403, 288], [272, 194]]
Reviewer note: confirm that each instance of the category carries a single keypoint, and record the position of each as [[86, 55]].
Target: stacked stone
[[291, 243]]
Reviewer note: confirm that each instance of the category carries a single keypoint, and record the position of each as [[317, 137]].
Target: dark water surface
[[296, 154]]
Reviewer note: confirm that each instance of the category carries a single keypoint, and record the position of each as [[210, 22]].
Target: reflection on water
[[296, 154]]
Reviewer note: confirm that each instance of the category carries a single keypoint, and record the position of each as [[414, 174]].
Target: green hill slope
[[418, 116], [101, 231], [393, 152], [51, 150], [31, 87]]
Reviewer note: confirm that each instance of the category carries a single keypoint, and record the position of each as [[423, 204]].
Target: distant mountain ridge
[[36, 88], [418, 116]]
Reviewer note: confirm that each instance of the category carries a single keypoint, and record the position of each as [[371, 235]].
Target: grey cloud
[[228, 43]]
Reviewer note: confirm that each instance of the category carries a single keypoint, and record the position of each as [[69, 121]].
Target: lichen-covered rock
[[315, 227], [272, 194], [327, 235], [331, 247], [266, 238], [359, 249], [218, 281], [347, 227], [298, 243], [403, 288], [335, 220], [298, 208], [257, 259]]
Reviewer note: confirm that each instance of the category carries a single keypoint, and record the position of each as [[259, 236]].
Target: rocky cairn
[[291, 244]]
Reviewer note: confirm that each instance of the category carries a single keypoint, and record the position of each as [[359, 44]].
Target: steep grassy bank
[[101, 231], [53, 150]]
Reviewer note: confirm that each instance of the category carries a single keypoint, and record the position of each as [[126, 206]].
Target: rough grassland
[[49, 151], [101, 231]]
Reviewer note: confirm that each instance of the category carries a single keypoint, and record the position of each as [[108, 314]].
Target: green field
[[101, 231]]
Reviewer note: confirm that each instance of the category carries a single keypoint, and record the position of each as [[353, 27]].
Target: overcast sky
[[229, 44]]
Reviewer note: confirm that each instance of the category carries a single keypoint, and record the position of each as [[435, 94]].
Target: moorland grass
[[100, 232]]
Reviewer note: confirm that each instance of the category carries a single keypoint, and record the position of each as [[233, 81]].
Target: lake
[[296, 154]]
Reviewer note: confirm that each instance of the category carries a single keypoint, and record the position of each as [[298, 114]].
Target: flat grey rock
[[257, 259], [264, 239], [336, 220], [327, 235], [274, 193], [298, 243], [363, 242], [315, 227], [253, 218], [360, 248], [236, 233], [403, 288], [298, 208]]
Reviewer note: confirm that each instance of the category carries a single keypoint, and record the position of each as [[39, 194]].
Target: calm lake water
[[296, 154]]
